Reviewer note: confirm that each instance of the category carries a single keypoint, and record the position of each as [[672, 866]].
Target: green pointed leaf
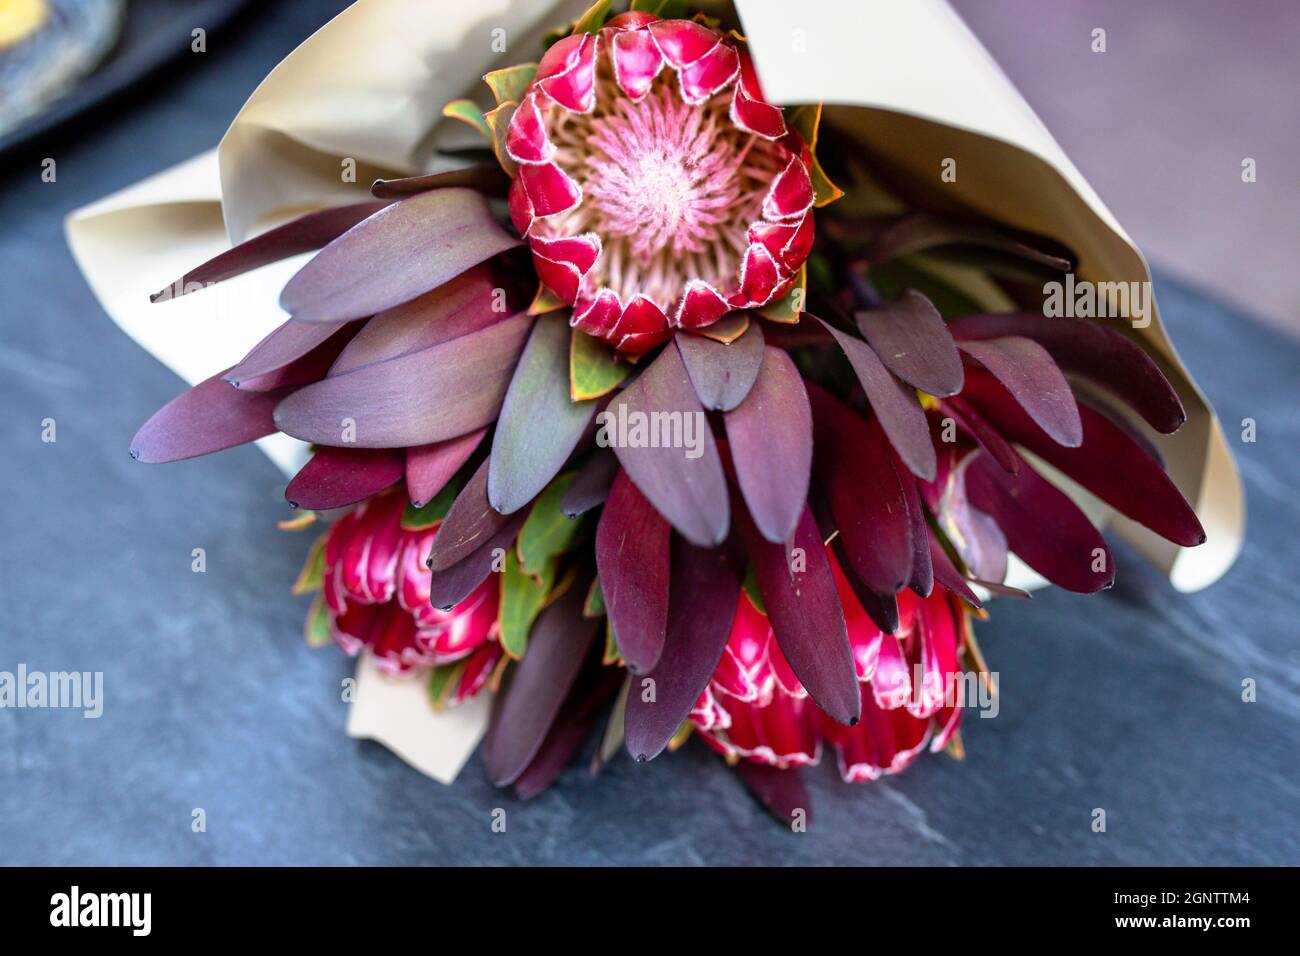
[[752, 590], [594, 605], [443, 682], [312, 575], [318, 629], [498, 125], [547, 532], [467, 111], [594, 367], [612, 654], [664, 9], [421, 519], [522, 599], [510, 83], [545, 301], [593, 19]]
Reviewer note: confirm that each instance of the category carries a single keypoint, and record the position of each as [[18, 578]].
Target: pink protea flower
[[755, 709], [376, 587], [656, 187]]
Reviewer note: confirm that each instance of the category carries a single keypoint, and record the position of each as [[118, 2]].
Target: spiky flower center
[[669, 187]]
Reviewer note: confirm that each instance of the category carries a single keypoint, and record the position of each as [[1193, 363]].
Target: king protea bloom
[[656, 187], [779, 513]]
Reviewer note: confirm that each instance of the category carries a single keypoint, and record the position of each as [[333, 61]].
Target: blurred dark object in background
[[60, 58]]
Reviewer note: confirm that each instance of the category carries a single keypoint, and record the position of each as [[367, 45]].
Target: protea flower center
[[656, 187]]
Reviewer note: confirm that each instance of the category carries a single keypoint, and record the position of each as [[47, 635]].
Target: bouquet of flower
[[675, 415]]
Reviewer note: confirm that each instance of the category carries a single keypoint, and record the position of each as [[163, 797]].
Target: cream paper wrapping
[[905, 78]]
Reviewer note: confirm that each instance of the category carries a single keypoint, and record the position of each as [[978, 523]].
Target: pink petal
[[700, 306], [792, 193], [562, 278], [759, 277], [567, 73], [579, 251], [630, 21], [549, 188], [683, 41], [709, 74], [749, 109], [599, 315], [641, 316], [526, 140], [891, 684], [637, 61], [521, 208]]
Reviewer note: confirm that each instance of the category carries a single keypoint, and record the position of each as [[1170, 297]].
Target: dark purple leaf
[[854, 465], [803, 605], [525, 710], [781, 792], [449, 587], [1042, 526], [337, 477], [466, 304], [595, 688], [301, 235], [400, 252], [881, 608], [591, 485], [662, 438], [427, 396], [209, 417], [910, 337], [489, 180], [1108, 463], [895, 404], [1093, 351], [984, 434], [918, 232], [922, 579], [430, 467], [948, 575], [1029, 374], [722, 374], [282, 348], [771, 438], [470, 521], [540, 424], [309, 368], [632, 557], [702, 603]]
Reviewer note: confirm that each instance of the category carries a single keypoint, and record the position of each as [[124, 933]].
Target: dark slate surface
[[1129, 701]]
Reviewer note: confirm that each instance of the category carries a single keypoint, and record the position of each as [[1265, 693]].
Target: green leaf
[[317, 628], [547, 532], [594, 367], [421, 519], [752, 590], [593, 19], [498, 124], [545, 301], [467, 111], [522, 599], [443, 682], [510, 83], [612, 654], [594, 605], [664, 9], [312, 575]]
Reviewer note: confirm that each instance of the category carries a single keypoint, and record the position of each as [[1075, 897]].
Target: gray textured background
[[1127, 701]]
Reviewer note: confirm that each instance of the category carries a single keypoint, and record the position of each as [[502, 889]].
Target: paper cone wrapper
[[905, 79]]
